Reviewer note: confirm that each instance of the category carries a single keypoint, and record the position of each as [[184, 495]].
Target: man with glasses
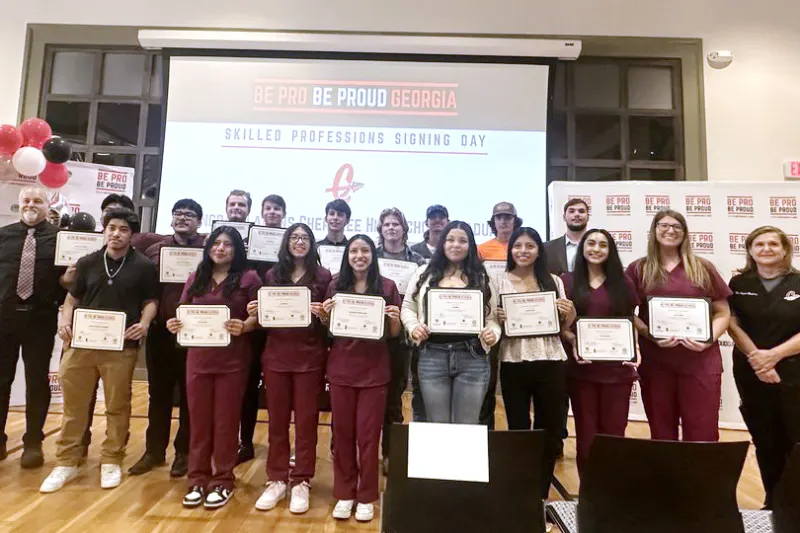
[[166, 361]]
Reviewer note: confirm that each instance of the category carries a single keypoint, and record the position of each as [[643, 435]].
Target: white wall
[[752, 107]]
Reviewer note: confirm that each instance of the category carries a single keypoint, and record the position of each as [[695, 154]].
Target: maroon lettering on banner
[[702, 242], [736, 243], [618, 205], [653, 203], [698, 205], [623, 239], [782, 207], [741, 207]]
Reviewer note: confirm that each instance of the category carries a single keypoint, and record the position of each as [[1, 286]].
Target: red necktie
[[26, 265]]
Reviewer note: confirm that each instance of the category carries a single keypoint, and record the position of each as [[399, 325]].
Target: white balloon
[[29, 161]]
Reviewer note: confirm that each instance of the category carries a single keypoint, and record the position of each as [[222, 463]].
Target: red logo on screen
[[344, 190]]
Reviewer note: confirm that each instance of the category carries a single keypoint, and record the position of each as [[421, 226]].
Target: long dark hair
[[472, 266], [202, 280], [540, 270], [346, 281], [285, 266], [615, 284]]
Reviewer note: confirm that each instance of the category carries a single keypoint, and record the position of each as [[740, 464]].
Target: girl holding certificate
[[216, 375], [600, 391], [681, 378], [293, 363], [765, 328], [359, 372], [533, 368]]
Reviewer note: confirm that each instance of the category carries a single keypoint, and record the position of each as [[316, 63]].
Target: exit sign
[[791, 170]]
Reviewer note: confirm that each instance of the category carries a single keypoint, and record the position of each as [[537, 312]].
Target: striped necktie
[[26, 265]]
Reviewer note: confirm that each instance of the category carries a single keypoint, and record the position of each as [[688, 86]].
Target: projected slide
[[375, 134]]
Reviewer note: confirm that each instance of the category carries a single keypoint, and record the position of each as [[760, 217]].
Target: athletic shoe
[[60, 476], [194, 496], [300, 495], [365, 512], [110, 476], [343, 509], [218, 497], [275, 492]]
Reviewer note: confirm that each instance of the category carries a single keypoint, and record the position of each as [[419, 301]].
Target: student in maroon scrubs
[[681, 379], [216, 377], [600, 391], [293, 363], [359, 372]]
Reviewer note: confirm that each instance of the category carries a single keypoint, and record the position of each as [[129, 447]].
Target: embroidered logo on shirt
[[741, 293], [791, 296]]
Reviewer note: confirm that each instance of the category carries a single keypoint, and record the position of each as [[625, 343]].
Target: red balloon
[[54, 175], [35, 132], [10, 139]]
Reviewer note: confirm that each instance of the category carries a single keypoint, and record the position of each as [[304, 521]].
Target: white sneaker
[[300, 496], [110, 476], [275, 492], [365, 512], [343, 509], [60, 476]]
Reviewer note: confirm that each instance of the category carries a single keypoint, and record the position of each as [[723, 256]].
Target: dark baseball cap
[[504, 208], [437, 209]]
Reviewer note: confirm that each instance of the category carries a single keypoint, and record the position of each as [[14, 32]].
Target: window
[[616, 119]]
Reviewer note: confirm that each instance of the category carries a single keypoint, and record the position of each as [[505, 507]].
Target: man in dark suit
[[562, 250]]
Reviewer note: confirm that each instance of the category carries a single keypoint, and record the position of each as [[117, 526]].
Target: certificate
[[455, 311], [398, 271], [242, 227], [93, 329], [263, 243], [494, 268], [284, 307], [72, 245], [358, 316], [605, 339], [530, 314], [176, 263], [682, 318], [331, 257], [203, 325]]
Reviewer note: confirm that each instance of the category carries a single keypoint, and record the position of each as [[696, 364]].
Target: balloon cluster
[[31, 150]]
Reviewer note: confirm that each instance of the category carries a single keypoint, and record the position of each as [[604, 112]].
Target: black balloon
[[57, 150], [82, 222]]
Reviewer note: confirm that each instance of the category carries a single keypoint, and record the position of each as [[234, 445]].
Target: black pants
[[253, 393], [544, 383], [398, 356], [35, 333], [772, 415], [166, 368], [417, 405], [490, 401]]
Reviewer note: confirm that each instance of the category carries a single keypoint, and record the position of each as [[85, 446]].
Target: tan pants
[[79, 373]]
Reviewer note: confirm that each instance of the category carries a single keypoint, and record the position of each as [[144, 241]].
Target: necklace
[[108, 273]]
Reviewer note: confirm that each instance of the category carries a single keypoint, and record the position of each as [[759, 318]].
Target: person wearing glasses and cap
[[503, 223], [436, 218]]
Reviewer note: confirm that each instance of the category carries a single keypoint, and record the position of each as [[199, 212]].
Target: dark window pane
[[117, 124], [557, 173], [597, 136], [115, 160], [652, 138], [153, 136], [598, 174], [78, 156], [650, 88], [557, 136], [151, 175], [656, 174], [560, 86], [69, 120], [596, 85]]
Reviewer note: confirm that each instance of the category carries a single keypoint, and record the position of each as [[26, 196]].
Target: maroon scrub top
[[170, 293]]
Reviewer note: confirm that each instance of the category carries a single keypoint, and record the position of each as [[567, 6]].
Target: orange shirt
[[493, 250]]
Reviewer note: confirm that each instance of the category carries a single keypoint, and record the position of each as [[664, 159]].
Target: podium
[[511, 502]]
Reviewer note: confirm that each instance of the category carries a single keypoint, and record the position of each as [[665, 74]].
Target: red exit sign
[[791, 170]]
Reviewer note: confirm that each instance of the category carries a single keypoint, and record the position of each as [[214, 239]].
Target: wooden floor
[[152, 503]]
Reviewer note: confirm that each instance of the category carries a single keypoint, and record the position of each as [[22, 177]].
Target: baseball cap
[[504, 208], [436, 208]]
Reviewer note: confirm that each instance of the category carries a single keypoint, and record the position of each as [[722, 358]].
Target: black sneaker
[[32, 458], [145, 464], [218, 497], [3, 452], [180, 465], [246, 453], [194, 497]]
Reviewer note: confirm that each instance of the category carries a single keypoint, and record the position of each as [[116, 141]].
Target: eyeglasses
[[184, 214], [663, 226], [297, 239]]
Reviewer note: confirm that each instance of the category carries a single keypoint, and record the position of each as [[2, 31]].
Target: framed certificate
[[176, 263], [682, 318], [284, 307], [93, 329], [530, 314], [263, 243], [203, 325], [242, 227], [331, 257], [72, 245], [455, 311], [398, 271], [494, 268], [605, 339], [358, 316]]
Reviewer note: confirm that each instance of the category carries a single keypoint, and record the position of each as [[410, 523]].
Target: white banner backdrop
[[720, 215]]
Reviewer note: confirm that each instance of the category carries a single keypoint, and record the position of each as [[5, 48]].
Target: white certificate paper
[[330, 257], [284, 307], [358, 316], [605, 339], [494, 268], [72, 245], [455, 311], [530, 314], [176, 263], [263, 243], [242, 227], [203, 325], [93, 329], [398, 271], [682, 318], [450, 452]]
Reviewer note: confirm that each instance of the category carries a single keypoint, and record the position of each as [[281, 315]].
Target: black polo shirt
[[327, 242], [133, 283], [769, 318]]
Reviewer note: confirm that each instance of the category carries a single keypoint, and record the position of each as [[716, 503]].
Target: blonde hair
[[750, 264], [392, 211], [651, 270]]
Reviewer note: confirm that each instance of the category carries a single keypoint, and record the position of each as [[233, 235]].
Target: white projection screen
[[375, 133]]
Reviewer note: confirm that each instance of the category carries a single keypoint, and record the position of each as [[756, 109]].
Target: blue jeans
[[453, 379]]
